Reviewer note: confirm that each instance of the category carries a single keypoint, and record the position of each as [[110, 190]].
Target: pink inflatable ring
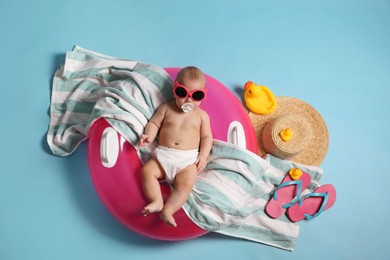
[[120, 187]]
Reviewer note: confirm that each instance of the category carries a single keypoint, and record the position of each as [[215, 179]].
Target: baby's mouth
[[187, 107]]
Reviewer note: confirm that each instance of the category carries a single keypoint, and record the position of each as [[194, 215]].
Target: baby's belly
[[186, 139]]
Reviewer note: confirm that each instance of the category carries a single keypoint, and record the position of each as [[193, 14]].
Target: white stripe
[[68, 118], [265, 222], [266, 242], [136, 116], [72, 65], [59, 140], [79, 95], [59, 72], [78, 49], [163, 73], [156, 96]]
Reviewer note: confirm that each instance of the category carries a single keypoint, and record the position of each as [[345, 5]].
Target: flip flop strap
[[321, 209], [296, 198]]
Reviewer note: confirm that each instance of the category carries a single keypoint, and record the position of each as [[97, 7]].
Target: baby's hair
[[190, 73]]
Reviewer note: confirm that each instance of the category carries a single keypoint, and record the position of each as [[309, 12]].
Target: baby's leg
[[151, 173], [184, 181]]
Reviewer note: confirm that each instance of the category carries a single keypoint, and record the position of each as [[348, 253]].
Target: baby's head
[[190, 88]]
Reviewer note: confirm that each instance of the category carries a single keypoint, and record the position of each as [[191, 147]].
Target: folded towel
[[229, 197], [91, 85]]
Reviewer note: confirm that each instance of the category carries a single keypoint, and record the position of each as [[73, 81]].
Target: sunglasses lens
[[198, 95], [181, 92]]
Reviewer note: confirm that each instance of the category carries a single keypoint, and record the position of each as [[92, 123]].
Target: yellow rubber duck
[[286, 134], [259, 99], [295, 173]]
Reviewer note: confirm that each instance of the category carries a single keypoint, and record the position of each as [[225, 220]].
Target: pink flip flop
[[313, 204], [286, 194]]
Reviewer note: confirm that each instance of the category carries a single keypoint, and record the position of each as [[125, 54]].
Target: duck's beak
[[248, 84]]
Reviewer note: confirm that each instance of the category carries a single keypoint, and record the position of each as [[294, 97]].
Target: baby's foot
[[168, 218], [153, 207]]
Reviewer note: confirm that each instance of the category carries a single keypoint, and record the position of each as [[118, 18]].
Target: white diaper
[[174, 160]]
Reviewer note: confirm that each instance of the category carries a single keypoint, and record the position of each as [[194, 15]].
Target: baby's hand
[[201, 163], [143, 141]]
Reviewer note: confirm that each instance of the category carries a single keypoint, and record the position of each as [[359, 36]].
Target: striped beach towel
[[91, 85], [229, 196]]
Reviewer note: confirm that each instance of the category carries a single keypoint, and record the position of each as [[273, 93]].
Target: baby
[[184, 143]]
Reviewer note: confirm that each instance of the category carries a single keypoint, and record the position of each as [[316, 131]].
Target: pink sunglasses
[[182, 92]]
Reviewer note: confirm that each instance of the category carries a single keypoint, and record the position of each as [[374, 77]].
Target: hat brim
[[316, 149]]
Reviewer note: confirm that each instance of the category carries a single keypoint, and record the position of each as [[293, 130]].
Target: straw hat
[[309, 142]]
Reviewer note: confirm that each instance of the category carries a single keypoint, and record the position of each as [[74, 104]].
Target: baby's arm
[[206, 142], [153, 126]]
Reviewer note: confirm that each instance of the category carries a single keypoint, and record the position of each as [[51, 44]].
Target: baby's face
[[191, 87]]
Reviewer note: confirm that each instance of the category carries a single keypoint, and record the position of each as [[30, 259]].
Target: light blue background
[[333, 54]]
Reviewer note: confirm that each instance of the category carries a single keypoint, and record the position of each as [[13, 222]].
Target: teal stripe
[[72, 106], [231, 152], [88, 73], [55, 129], [88, 55], [163, 84], [72, 85], [79, 55], [213, 197], [123, 127]]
